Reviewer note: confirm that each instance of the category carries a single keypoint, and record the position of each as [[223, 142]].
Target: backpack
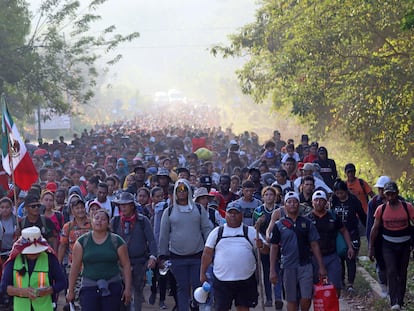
[[170, 208], [361, 183], [60, 219], [410, 225], [212, 216], [290, 188], [44, 230], [245, 235], [117, 221]]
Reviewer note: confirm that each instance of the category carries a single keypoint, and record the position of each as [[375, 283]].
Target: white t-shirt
[[107, 205], [234, 259], [295, 156]]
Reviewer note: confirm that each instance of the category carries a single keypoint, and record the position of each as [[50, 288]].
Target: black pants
[[396, 258]]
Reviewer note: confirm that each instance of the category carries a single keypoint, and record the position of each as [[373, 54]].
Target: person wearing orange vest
[[32, 274]]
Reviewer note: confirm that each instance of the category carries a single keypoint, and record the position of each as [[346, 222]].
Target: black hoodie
[[328, 168]]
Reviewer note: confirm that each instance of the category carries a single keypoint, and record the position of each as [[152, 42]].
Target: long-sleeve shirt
[[184, 231], [57, 278]]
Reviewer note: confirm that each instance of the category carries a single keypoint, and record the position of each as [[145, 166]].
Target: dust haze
[[173, 53]]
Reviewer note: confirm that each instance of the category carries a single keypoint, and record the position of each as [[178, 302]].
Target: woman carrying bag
[[102, 288]]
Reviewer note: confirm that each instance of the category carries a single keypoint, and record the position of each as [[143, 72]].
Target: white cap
[[381, 181], [291, 195], [319, 194]]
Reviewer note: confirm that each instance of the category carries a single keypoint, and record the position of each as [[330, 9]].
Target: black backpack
[[245, 235]]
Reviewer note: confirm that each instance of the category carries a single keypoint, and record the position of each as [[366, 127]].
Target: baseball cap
[[390, 187], [381, 181], [213, 204], [291, 195], [206, 180], [233, 206], [319, 194], [308, 167], [51, 186]]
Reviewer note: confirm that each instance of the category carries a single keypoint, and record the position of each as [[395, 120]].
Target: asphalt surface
[[346, 303]]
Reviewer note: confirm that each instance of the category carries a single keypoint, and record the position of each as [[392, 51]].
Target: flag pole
[[10, 158]]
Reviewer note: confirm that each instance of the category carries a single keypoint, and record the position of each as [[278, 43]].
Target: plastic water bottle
[[167, 265], [149, 276], [201, 293], [206, 286]]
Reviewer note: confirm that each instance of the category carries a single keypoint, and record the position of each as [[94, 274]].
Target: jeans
[[91, 299], [277, 289], [396, 257], [207, 306], [187, 274], [138, 271]]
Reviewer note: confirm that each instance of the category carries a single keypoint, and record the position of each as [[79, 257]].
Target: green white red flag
[[15, 158]]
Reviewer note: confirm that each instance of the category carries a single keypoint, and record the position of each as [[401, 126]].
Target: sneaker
[[163, 306], [268, 303], [151, 299], [396, 307], [278, 305], [350, 289], [384, 291]]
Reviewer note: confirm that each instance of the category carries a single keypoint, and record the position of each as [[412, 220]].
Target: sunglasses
[[182, 188], [34, 206]]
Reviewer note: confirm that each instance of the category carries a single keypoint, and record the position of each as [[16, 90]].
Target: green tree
[[14, 27], [340, 64], [55, 64]]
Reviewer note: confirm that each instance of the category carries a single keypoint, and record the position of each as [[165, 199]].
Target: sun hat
[[201, 192], [32, 241], [124, 198]]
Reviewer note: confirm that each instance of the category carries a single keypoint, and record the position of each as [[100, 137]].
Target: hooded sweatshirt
[[328, 168], [184, 228]]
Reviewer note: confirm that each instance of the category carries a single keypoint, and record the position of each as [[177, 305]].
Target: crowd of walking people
[[176, 206]]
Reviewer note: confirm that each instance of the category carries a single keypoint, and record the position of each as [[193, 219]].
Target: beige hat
[[201, 192], [33, 236]]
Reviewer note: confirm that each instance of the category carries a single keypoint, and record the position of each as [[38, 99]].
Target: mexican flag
[[15, 157]]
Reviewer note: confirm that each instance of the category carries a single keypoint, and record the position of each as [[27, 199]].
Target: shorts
[[300, 277], [244, 293], [333, 266]]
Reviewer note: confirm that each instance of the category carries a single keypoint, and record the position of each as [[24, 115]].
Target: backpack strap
[[245, 234], [59, 217], [43, 220], [115, 224], [361, 183], [212, 216], [113, 206], [219, 234], [86, 239], [114, 241], [170, 208]]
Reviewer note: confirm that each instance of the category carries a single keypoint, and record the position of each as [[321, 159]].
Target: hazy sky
[[174, 37]]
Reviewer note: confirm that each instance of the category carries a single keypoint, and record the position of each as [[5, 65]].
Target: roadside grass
[[378, 303]]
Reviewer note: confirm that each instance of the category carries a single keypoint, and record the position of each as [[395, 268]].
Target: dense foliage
[[52, 62], [343, 65]]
